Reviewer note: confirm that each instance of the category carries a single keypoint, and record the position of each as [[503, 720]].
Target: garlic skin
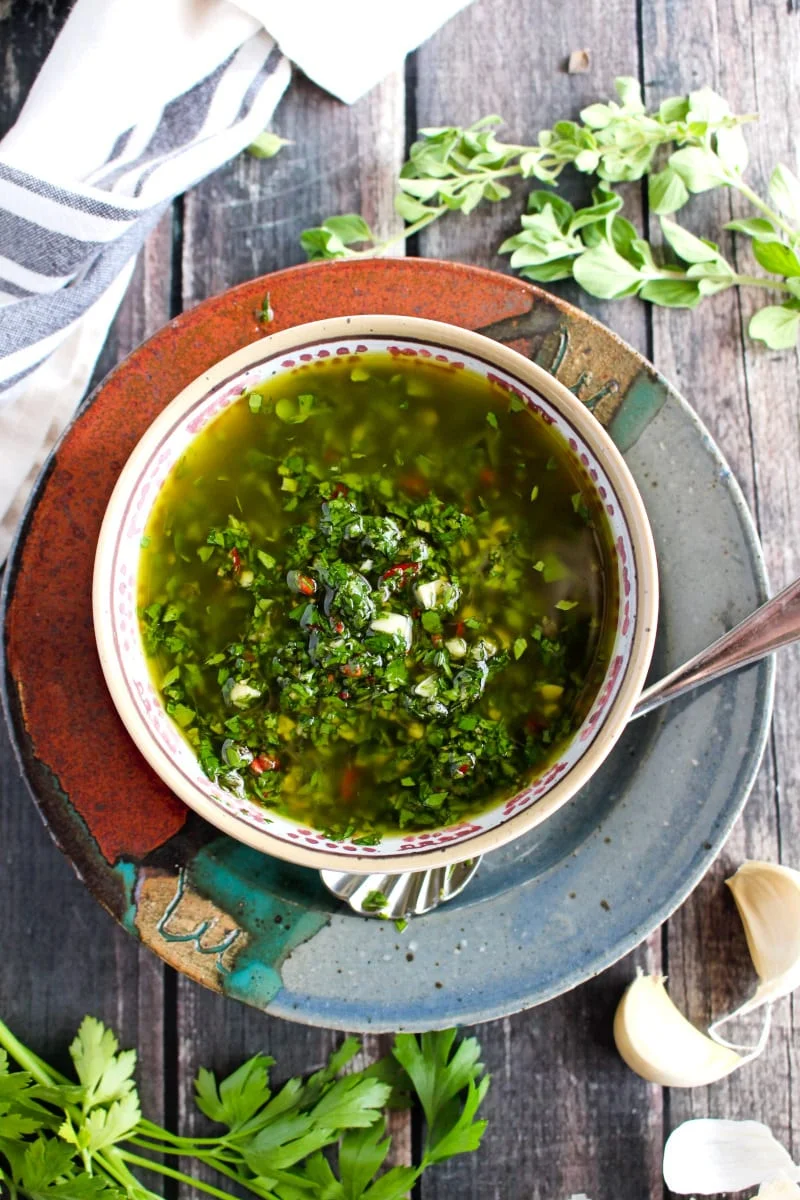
[[660, 1044], [705, 1156], [768, 899]]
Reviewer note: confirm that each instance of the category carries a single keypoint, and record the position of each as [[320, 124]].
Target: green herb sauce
[[376, 595]]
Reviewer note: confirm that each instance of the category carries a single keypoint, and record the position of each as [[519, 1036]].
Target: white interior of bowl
[[126, 666]]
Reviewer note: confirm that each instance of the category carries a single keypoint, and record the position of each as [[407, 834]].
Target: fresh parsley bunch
[[322, 1137], [691, 144]]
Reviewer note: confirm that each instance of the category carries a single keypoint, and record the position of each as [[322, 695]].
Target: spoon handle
[[775, 624]]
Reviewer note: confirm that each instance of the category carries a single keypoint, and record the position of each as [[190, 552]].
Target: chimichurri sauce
[[376, 595]]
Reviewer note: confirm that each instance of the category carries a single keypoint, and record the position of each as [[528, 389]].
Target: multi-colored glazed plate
[[544, 913]]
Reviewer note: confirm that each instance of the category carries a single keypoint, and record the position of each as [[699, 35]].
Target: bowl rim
[[449, 337]]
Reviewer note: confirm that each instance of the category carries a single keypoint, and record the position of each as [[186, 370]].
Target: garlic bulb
[[768, 899], [658, 1043], [709, 1156]]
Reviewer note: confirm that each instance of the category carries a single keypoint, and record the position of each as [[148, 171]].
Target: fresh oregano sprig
[[81, 1140], [691, 144]]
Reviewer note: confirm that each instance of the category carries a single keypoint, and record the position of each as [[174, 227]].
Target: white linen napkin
[[137, 101]]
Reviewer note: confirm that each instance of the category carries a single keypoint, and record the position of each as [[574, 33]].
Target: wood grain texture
[[63, 956], [247, 218], [749, 398]]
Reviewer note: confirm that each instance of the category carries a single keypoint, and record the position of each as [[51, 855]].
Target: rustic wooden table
[[565, 1114]]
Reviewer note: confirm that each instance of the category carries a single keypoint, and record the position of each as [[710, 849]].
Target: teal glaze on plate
[[277, 907], [127, 873], [645, 397]]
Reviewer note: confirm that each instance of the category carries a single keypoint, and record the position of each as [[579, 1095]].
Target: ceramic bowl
[[115, 590]]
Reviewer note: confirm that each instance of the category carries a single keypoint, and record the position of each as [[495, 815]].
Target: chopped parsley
[[351, 620]]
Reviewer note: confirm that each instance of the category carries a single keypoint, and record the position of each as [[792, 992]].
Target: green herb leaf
[[105, 1074], [672, 293], [776, 257], [776, 325], [754, 227], [266, 145], [603, 272], [699, 168], [666, 191], [688, 247], [784, 190]]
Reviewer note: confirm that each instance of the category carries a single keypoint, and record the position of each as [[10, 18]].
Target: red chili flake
[[488, 476], [460, 627], [352, 672], [415, 483], [236, 559], [339, 627], [264, 762], [416, 612], [534, 725], [344, 695], [306, 585], [339, 489], [406, 568], [464, 769], [349, 783], [436, 640]]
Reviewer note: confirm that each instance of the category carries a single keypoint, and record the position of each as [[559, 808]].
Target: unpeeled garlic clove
[[768, 899], [707, 1156], [658, 1043]]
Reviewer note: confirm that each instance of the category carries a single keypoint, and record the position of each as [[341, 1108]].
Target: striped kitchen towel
[[137, 101]]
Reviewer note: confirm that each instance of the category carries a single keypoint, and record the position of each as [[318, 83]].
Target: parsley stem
[[155, 1131], [110, 1161], [190, 1147], [29, 1061], [8, 1182], [754, 198], [148, 1165]]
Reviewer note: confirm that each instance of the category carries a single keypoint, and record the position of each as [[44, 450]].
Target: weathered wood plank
[[564, 1112], [247, 219], [62, 955], [749, 399], [244, 221]]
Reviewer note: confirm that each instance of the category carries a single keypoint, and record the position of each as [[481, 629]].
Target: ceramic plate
[[543, 914]]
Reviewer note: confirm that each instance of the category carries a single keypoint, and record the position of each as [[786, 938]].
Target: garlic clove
[[768, 899], [780, 1188], [707, 1156], [658, 1043]]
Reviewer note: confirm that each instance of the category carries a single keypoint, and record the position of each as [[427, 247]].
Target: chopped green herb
[[491, 419], [337, 609]]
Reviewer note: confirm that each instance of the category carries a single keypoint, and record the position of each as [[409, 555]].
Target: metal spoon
[[411, 893]]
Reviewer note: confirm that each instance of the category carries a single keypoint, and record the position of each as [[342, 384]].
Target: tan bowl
[[115, 592]]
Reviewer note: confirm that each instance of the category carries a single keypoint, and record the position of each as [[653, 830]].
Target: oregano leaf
[[776, 325]]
